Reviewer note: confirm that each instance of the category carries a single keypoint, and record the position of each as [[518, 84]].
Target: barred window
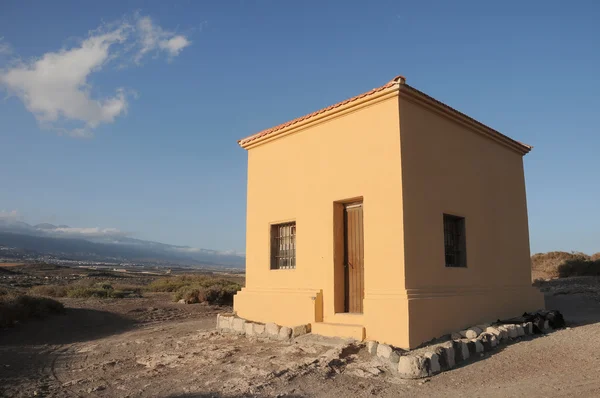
[[455, 241], [283, 246]]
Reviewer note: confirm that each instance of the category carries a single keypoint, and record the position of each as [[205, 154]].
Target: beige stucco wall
[[299, 177], [409, 164], [449, 168]]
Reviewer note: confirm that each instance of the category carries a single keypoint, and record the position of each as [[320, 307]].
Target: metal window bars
[[454, 241], [283, 246]]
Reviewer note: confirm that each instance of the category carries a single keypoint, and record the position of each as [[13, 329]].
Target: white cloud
[[89, 232], [55, 86], [234, 253], [12, 215], [187, 249], [175, 45], [5, 48], [56, 89], [153, 38]]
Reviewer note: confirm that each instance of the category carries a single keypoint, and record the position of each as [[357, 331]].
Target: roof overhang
[[395, 87], [412, 94]]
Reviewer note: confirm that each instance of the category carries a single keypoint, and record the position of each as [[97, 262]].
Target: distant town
[[12, 254]]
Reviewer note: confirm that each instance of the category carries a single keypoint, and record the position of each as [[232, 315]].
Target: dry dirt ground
[[151, 347]]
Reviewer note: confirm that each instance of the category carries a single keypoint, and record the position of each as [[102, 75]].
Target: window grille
[[455, 241], [283, 246]]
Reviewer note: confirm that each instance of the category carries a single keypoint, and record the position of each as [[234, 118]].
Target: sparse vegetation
[[564, 264], [579, 267], [18, 307], [198, 289], [173, 284], [49, 290], [217, 294], [97, 290], [106, 274], [44, 280]]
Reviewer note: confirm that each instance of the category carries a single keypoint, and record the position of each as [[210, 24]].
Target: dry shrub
[[103, 290], [200, 289], [548, 264], [217, 295], [579, 267], [173, 284], [49, 290], [17, 308], [133, 290], [88, 290], [106, 274]]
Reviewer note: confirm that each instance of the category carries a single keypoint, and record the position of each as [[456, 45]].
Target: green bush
[[15, 308]]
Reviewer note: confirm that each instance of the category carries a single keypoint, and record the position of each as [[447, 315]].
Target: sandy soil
[[151, 347]]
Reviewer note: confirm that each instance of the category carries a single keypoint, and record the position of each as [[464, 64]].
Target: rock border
[[464, 345], [231, 323]]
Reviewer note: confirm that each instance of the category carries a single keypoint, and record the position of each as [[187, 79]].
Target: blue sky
[[144, 138]]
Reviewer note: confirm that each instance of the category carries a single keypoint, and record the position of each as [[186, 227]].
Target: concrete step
[[339, 330]]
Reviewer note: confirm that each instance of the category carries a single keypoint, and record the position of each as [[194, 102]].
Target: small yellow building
[[389, 216]]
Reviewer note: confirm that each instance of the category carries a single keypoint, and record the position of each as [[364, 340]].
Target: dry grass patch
[[88, 290], [49, 290], [564, 264], [18, 307], [198, 288]]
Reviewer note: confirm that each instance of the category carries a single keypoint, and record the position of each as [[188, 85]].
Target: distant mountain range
[[93, 244]]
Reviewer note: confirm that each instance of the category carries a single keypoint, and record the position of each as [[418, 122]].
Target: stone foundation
[[231, 323], [461, 346], [458, 347]]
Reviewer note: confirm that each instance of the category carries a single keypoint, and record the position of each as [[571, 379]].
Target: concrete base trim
[[283, 306], [356, 332]]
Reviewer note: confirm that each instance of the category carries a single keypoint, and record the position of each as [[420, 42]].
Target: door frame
[[339, 252]]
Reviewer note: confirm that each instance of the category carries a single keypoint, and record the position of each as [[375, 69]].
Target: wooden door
[[353, 257]]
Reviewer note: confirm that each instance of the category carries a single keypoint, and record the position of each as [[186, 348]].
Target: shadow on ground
[[75, 325], [577, 309], [219, 395], [28, 350]]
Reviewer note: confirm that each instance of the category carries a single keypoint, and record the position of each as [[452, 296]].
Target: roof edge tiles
[[398, 83]]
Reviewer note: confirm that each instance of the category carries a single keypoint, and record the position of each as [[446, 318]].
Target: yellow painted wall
[[299, 177], [449, 168], [409, 164]]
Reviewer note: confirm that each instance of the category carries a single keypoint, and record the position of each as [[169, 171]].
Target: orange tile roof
[[398, 80], [271, 130]]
